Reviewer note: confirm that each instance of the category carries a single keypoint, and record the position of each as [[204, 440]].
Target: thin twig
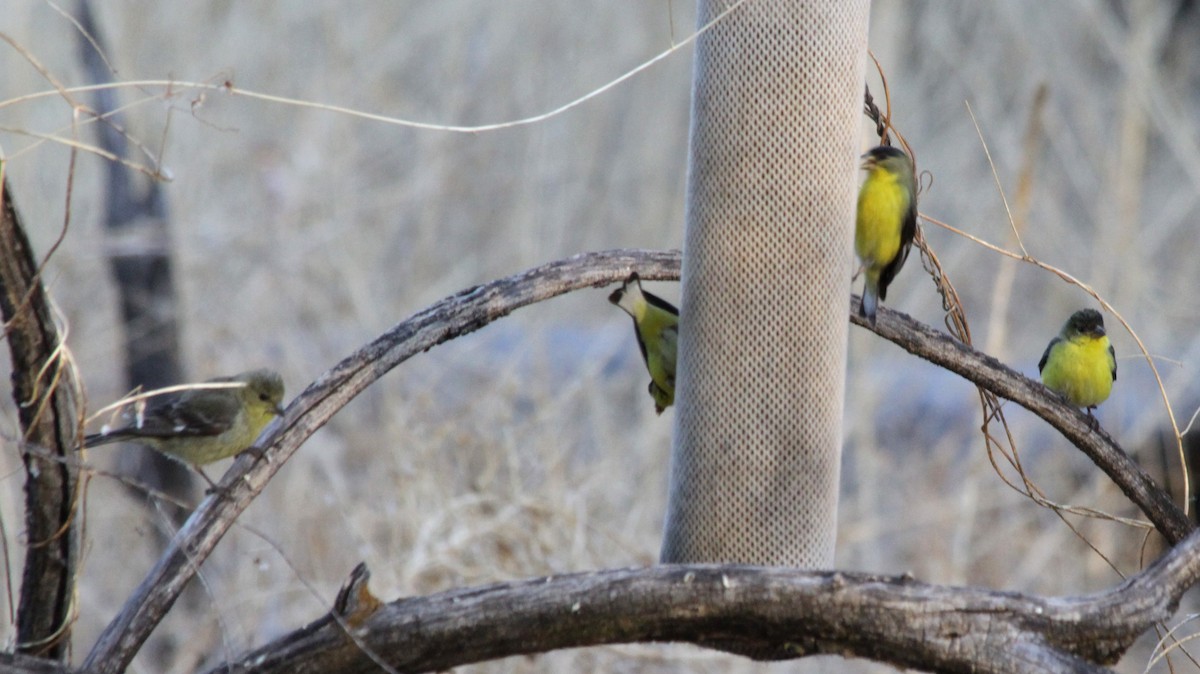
[[1107, 307], [454, 316]]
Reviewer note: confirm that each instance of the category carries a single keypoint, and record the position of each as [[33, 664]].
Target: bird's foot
[[213, 487], [255, 451]]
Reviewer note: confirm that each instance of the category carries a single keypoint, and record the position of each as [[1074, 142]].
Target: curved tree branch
[[941, 349], [44, 393], [452, 317], [770, 612], [474, 308]]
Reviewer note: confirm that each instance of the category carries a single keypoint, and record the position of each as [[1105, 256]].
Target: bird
[[198, 426], [656, 327], [1080, 363], [886, 222]]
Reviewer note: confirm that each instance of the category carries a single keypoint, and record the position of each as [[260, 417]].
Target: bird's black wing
[[908, 232], [1112, 353], [1046, 355], [656, 301], [195, 413], [198, 412]]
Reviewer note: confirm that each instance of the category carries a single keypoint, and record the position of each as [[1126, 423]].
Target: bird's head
[[888, 158], [1086, 322], [618, 294], [263, 390]]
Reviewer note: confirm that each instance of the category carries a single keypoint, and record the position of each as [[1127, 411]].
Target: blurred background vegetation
[[531, 447]]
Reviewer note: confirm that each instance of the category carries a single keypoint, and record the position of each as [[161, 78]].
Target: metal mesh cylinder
[[775, 137]]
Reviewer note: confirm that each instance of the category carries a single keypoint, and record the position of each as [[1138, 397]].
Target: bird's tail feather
[[97, 439], [870, 302]]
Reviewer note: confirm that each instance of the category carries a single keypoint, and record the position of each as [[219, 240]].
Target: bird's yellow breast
[[1081, 369], [659, 330], [882, 203], [258, 415]]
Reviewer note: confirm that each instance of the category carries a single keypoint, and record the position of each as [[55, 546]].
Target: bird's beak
[[868, 162], [1099, 331], [278, 410]]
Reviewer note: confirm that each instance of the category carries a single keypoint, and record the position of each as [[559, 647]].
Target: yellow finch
[[1080, 362], [886, 224], [656, 326], [202, 425]]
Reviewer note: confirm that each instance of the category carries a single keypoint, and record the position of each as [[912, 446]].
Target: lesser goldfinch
[[202, 425], [886, 223], [656, 326], [1080, 362]]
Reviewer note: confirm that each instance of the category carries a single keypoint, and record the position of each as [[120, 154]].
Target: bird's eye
[[264, 397]]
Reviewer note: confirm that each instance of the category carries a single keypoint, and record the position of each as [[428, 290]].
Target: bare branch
[[15, 663], [452, 317], [769, 613], [979, 368], [44, 393], [474, 308]]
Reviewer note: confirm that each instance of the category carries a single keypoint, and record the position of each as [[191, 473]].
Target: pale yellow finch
[[886, 222], [202, 425], [656, 326], [1080, 363]]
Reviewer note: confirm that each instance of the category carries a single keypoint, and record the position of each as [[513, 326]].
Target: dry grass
[[530, 447]]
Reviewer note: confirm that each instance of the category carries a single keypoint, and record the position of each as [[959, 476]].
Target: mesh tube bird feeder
[[774, 145]]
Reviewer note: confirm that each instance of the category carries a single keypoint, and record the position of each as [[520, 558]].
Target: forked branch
[[771, 613], [452, 317], [981, 369], [44, 393], [474, 308]]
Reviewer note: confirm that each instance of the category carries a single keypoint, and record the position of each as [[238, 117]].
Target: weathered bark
[[941, 349], [44, 392], [774, 613], [452, 317], [15, 663], [474, 308]]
